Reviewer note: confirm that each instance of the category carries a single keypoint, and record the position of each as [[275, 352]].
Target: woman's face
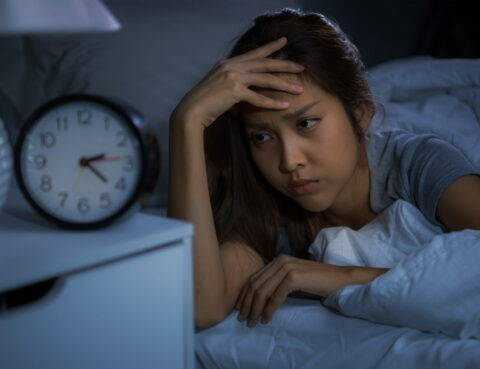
[[309, 152]]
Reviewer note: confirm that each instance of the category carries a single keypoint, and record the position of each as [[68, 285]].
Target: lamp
[[55, 16]]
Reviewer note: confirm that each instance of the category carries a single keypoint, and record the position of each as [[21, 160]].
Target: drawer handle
[[23, 296]]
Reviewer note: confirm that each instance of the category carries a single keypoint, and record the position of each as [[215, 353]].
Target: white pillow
[[395, 233]]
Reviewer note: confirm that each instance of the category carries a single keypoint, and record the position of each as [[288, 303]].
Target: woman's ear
[[364, 115]]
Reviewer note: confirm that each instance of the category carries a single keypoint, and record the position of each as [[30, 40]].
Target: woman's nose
[[291, 157]]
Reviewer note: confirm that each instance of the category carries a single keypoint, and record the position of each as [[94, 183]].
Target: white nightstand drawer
[[129, 313]]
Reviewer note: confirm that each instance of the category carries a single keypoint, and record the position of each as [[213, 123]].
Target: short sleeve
[[413, 167]]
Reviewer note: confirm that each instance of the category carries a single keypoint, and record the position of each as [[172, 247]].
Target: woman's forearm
[[362, 275], [266, 291], [189, 200], [324, 279], [357, 275]]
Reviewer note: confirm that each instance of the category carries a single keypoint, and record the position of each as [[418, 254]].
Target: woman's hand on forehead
[[263, 51], [235, 80]]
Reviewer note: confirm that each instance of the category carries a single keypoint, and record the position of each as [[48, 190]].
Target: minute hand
[[99, 175]]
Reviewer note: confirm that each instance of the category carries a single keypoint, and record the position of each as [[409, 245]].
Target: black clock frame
[[150, 160]]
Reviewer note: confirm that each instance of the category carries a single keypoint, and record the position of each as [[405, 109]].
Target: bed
[[425, 312]]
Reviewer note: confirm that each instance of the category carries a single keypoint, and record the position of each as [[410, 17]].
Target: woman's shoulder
[[397, 136], [395, 147], [416, 167]]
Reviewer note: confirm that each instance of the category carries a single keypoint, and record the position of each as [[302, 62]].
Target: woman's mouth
[[302, 186]]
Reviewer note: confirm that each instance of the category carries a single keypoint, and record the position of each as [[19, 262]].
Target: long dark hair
[[245, 206]]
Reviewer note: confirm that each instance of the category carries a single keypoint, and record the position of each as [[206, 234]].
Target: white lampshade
[[55, 16]]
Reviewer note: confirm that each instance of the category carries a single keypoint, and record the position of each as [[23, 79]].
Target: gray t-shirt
[[413, 167], [407, 166]]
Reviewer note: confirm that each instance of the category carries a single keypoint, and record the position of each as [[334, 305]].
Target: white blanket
[[434, 283]]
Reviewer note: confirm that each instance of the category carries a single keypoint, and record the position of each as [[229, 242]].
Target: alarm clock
[[84, 161]]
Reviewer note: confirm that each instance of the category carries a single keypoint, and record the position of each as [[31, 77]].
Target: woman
[[272, 145]]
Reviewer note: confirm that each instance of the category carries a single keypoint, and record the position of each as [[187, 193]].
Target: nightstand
[[119, 297]]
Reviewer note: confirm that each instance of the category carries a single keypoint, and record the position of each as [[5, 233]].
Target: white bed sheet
[[304, 334]]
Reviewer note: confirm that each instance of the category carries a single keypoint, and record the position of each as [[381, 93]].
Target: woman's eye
[[259, 138], [308, 123]]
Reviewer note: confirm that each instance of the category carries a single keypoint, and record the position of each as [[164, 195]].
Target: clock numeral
[[128, 163], [105, 201], [46, 183], [47, 139], [120, 184], [123, 139], [62, 124], [40, 161], [106, 121], [84, 116], [64, 196], [83, 206]]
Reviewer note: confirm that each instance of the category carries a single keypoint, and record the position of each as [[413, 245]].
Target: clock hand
[[84, 161], [111, 158], [94, 170], [101, 157]]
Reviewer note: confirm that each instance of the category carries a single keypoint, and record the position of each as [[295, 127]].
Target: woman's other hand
[[229, 82], [267, 289]]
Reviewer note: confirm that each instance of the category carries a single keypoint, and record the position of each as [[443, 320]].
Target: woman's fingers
[[263, 51], [254, 277], [246, 294], [277, 299], [259, 289], [270, 81], [264, 65], [262, 101], [243, 291], [267, 65], [245, 305], [263, 295]]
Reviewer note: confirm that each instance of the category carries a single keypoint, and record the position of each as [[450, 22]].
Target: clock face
[[81, 162]]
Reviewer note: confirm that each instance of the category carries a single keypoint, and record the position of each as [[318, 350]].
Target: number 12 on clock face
[[81, 161]]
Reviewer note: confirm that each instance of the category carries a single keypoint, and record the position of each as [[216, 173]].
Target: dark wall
[[452, 30], [386, 30]]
